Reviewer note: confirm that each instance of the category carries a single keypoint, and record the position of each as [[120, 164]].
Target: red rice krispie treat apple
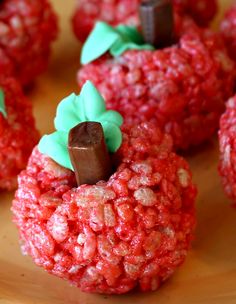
[[181, 87], [117, 12], [227, 138], [128, 220], [18, 134], [27, 29], [228, 30]]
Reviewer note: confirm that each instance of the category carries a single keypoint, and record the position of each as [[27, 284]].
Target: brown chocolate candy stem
[[157, 21], [88, 153]]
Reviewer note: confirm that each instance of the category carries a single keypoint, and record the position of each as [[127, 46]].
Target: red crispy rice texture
[[126, 12], [18, 134], [228, 30], [227, 138], [182, 88], [132, 231], [27, 28]]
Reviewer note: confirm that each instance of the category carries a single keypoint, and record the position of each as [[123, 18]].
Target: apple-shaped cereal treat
[[182, 87], [227, 139], [105, 233], [27, 29], [18, 134], [228, 30]]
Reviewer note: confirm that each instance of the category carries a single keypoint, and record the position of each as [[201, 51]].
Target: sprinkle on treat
[[82, 124], [157, 22], [2, 104]]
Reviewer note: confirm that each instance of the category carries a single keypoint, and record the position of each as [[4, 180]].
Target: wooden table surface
[[209, 274]]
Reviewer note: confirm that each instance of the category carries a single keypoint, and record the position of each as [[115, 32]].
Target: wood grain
[[209, 274]]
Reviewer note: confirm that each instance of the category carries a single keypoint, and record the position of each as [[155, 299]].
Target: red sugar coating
[[126, 12], [132, 231], [227, 138], [18, 134], [183, 88], [27, 28], [228, 30]]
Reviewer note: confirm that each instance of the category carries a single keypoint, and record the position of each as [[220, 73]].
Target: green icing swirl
[[116, 40], [88, 106], [2, 104]]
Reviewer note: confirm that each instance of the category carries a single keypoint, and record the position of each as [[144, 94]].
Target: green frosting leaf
[[130, 33], [116, 40], [113, 135], [93, 103], [55, 146], [67, 115], [2, 104], [111, 116], [101, 39], [88, 106]]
